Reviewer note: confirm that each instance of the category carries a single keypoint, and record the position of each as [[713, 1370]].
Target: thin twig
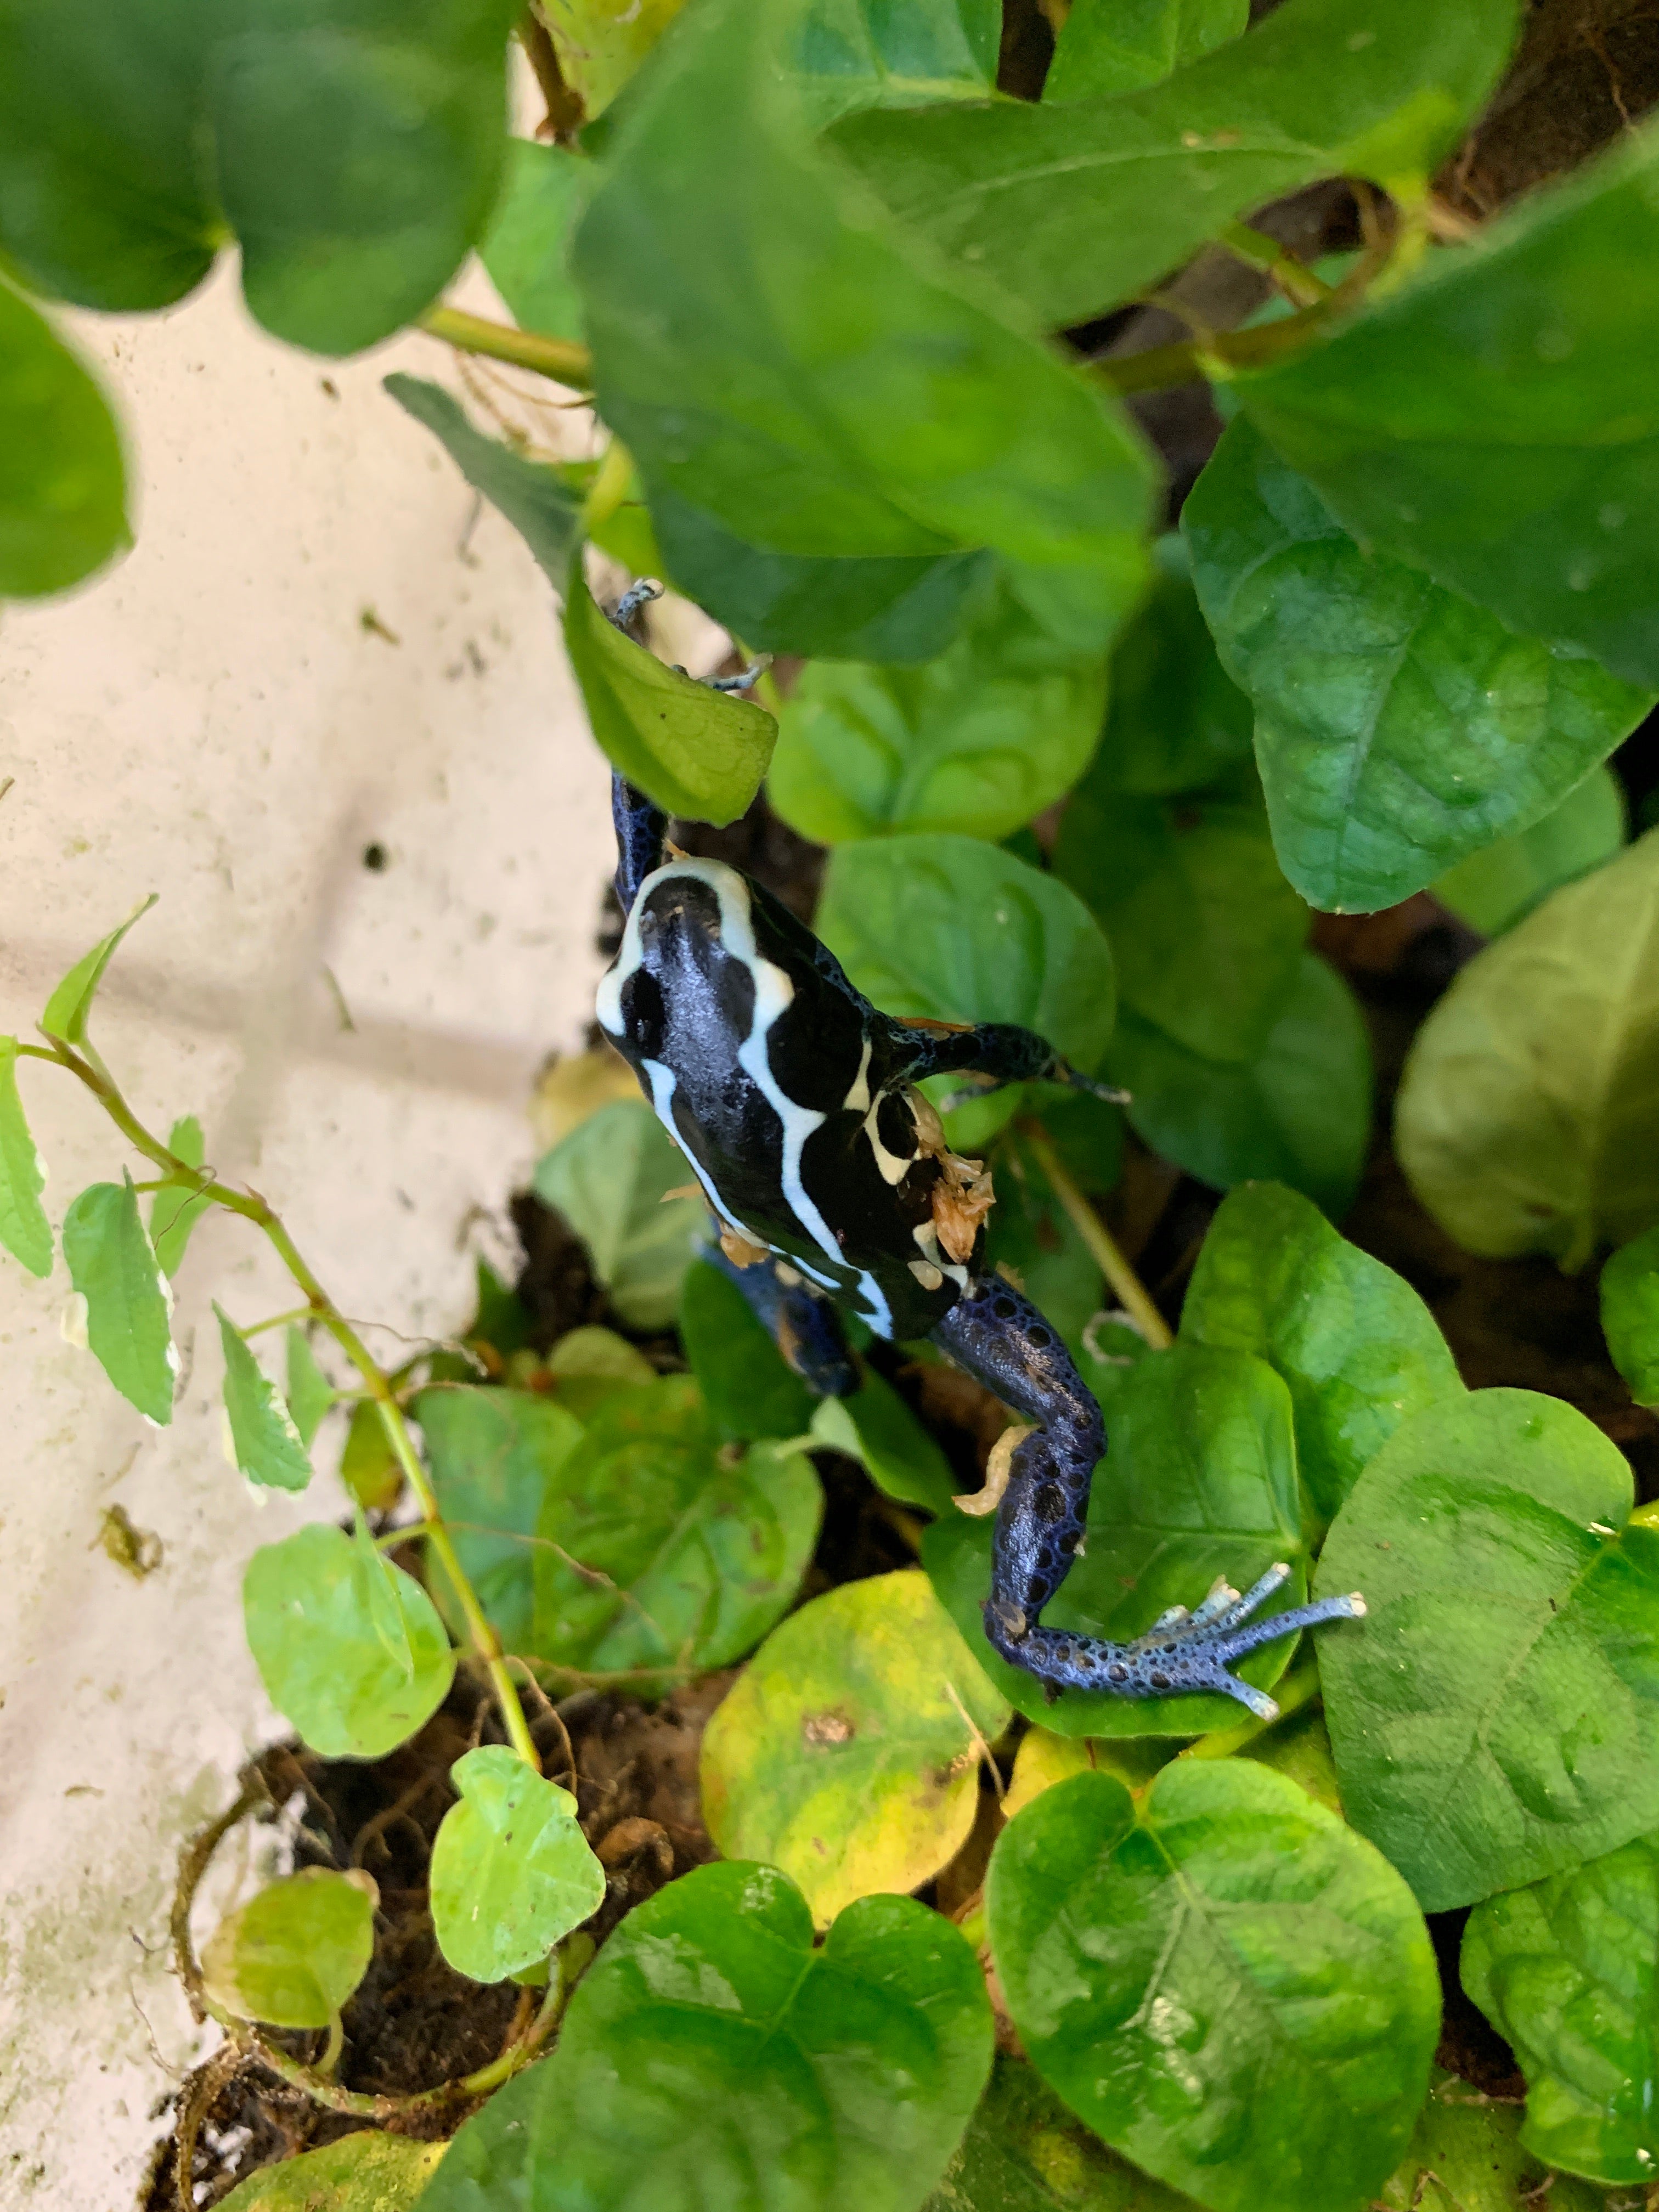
[[560, 359], [1102, 1247]]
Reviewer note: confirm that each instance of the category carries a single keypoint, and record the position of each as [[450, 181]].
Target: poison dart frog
[[828, 1173]]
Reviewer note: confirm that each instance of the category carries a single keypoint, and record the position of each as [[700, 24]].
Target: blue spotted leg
[[1002, 1340], [805, 1328]]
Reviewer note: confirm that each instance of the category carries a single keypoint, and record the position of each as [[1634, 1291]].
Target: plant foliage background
[[1183, 510]]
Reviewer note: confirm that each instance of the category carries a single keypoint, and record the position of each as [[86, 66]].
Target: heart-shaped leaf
[[1024, 2151], [656, 1550], [600, 43], [1499, 886], [851, 403], [717, 2058], [1105, 47], [69, 1007], [849, 1751], [24, 1229], [1030, 1234], [368, 2172], [1467, 2156], [294, 1952], [1630, 1314], [527, 248], [1073, 206], [1298, 1113], [1565, 1971], [847, 55], [128, 1304], [1229, 1986], [957, 930], [1496, 1715], [876, 1427], [266, 1441], [1199, 1480], [1359, 1348], [63, 485], [971, 742], [1175, 720], [175, 1213], [349, 1648], [310, 1393], [611, 1179], [1399, 729], [511, 1872], [1493, 421], [492, 1453], [1525, 1109]]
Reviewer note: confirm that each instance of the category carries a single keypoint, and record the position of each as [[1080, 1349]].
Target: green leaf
[[969, 743], [310, 1393], [1024, 2151], [129, 1306], [698, 752], [1494, 422], [1494, 889], [716, 2058], [174, 1213], [657, 1554], [747, 1387], [1073, 207], [491, 1454], [267, 1445], [1630, 1314], [369, 1472], [532, 495], [1030, 1234], [368, 2172], [1299, 1113], [848, 609], [1357, 1347], [293, 1954], [1206, 933], [609, 1178], [24, 1229], [1199, 1480], [1467, 2156], [1496, 1715], [1399, 727], [349, 1648], [354, 152], [600, 43], [62, 482], [1565, 1971], [1524, 1113], [511, 1873], [847, 1751], [811, 386], [525, 250], [853, 54], [1106, 47], [70, 1004], [1229, 1987], [876, 1427], [1175, 721], [953, 930]]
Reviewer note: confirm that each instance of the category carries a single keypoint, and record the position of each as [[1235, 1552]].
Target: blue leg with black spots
[[805, 1328], [1002, 1340]]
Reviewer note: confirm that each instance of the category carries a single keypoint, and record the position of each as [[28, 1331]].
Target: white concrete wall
[[212, 720]]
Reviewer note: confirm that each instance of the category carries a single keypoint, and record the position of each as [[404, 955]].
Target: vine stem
[[376, 1383], [562, 359], [1103, 1248], [1299, 1687]]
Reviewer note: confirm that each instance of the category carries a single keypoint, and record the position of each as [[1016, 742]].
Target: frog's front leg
[[996, 1052], [1002, 1339], [805, 1328]]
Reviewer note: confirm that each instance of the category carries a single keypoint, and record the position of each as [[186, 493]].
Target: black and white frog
[[795, 1101]]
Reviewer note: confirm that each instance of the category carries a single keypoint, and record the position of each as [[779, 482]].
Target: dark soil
[[1585, 69]]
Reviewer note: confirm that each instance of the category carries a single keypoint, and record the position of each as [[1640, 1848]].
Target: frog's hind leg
[[1001, 1339], [807, 1327]]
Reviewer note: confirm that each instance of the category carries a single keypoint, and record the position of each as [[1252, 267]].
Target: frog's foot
[[1181, 1653]]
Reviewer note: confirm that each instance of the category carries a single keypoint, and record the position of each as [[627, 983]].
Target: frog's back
[[774, 1076]]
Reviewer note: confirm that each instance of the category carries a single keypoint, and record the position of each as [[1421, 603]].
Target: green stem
[[1300, 1687], [330, 2057], [1132, 1293], [253, 1208], [562, 359], [279, 1320], [1298, 282]]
